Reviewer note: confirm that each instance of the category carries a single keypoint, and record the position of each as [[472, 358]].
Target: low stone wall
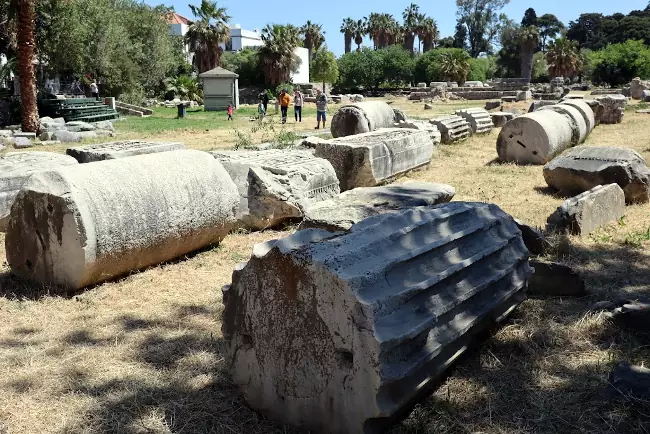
[[475, 94]]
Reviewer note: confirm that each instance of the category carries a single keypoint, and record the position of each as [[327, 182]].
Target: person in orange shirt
[[285, 99]]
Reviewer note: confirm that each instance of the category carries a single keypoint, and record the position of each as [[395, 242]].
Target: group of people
[[298, 101]]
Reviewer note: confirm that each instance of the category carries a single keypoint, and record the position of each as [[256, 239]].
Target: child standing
[[229, 112], [261, 110]]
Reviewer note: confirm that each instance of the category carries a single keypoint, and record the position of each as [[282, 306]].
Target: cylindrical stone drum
[[83, 224], [361, 117], [585, 110], [578, 124], [534, 138]]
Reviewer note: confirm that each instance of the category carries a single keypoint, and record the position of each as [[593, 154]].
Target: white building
[[240, 39]]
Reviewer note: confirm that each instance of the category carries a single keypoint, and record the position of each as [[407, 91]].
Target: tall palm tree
[[360, 29], [206, 33], [563, 58], [25, 35], [313, 37], [412, 17], [454, 65], [528, 43], [428, 33], [348, 28], [387, 30], [280, 41], [373, 28]]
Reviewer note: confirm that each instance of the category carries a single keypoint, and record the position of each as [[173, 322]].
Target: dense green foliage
[[595, 31], [370, 69], [481, 21], [482, 69], [324, 67], [617, 64], [247, 64]]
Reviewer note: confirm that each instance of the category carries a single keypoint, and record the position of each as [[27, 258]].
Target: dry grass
[[144, 354]]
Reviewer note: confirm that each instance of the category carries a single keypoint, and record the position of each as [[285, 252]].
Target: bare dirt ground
[[144, 354]]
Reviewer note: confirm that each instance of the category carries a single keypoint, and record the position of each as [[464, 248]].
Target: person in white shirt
[[297, 105], [94, 90]]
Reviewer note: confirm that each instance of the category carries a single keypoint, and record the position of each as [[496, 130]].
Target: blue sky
[[251, 14]]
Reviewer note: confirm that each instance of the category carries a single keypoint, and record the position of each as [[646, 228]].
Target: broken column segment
[[362, 117], [585, 110], [577, 122], [343, 332], [352, 206], [434, 134], [584, 167], [613, 108], [452, 128], [499, 119], [15, 170], [583, 214], [479, 119], [534, 138], [113, 150], [79, 225], [370, 159], [597, 108], [277, 185]]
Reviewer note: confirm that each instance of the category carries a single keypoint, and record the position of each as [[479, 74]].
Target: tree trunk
[[28, 109], [409, 42], [527, 63], [427, 44]]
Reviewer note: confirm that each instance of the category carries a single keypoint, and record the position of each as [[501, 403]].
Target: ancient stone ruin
[[83, 224], [452, 128], [113, 150], [479, 119], [534, 138], [583, 214], [597, 108], [370, 159], [585, 110], [584, 167], [352, 206], [577, 122], [637, 87], [343, 332], [277, 185], [613, 108], [15, 170], [536, 105], [361, 118], [499, 119], [433, 131]]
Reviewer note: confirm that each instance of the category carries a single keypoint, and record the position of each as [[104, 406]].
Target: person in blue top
[[321, 108]]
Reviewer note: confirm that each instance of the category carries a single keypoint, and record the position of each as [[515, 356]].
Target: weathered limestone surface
[[577, 122], [596, 92], [499, 119], [534, 138], [361, 117], [277, 185], [584, 167], [342, 332], [585, 110], [433, 131], [637, 86], [452, 128], [82, 224], [597, 108], [479, 119], [489, 105], [614, 108], [113, 150], [370, 159], [583, 214], [536, 105], [352, 206], [15, 170]]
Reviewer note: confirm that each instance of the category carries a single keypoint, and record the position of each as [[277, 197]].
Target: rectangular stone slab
[[370, 159], [114, 150], [583, 214], [276, 185], [15, 170]]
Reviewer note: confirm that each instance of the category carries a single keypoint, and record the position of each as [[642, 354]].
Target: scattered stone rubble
[[361, 117], [452, 128], [613, 108], [479, 119], [359, 325], [637, 87], [113, 150]]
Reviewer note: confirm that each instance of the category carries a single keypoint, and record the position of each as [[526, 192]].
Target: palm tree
[[528, 43], [360, 29], [412, 17], [348, 28], [314, 37], [280, 41], [25, 35], [428, 33], [185, 87], [454, 65], [563, 58], [372, 28], [206, 33]]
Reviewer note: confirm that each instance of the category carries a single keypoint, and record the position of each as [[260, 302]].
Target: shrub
[[481, 69], [617, 64]]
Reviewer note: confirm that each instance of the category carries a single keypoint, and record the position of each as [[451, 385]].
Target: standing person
[[321, 107], [285, 99], [265, 100], [297, 105], [94, 90], [260, 110], [229, 112]]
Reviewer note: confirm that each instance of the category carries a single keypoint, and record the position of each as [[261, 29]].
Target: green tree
[[348, 27], [549, 27], [587, 30], [206, 33], [482, 22], [185, 88], [277, 53], [313, 37], [247, 64], [530, 18], [482, 69], [324, 67], [563, 58], [412, 18], [528, 43], [617, 64], [396, 65], [25, 11], [360, 69], [509, 56], [359, 31], [428, 33], [446, 42], [540, 68], [460, 36], [442, 64]]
